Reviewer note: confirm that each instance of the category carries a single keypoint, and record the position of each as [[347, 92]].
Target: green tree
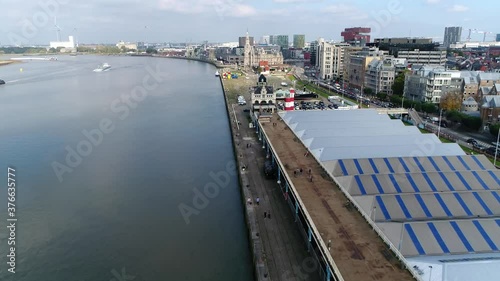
[[382, 96], [399, 84], [151, 51], [494, 129], [368, 91], [429, 107]]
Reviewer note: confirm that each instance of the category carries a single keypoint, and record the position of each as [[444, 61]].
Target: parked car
[[478, 146], [472, 141], [491, 150]]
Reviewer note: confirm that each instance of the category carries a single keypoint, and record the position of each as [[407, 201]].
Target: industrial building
[[436, 208], [70, 44]]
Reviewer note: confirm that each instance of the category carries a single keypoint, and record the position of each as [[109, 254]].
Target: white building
[[462, 45], [426, 83], [330, 59], [64, 44], [424, 57], [127, 45]]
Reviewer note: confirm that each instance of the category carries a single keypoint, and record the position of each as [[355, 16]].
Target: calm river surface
[[104, 161]]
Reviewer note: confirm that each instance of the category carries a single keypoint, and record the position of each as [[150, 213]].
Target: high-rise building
[[330, 59], [272, 39], [498, 38], [356, 35], [282, 41], [265, 40], [313, 51], [299, 41], [452, 35], [242, 41]]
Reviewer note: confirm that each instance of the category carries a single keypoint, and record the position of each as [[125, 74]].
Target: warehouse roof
[[427, 197]]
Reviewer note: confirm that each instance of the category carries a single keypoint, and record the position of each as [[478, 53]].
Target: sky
[[31, 22]]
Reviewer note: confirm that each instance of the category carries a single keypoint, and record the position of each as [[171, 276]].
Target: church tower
[[248, 52]]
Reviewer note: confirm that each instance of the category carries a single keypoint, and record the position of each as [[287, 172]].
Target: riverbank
[[195, 59], [6, 62], [260, 267]]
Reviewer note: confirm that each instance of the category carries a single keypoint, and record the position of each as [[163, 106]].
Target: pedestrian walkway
[[285, 250]]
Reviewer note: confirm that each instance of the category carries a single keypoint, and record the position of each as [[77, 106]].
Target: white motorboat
[[102, 67]]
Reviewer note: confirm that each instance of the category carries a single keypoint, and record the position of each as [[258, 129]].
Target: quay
[[277, 246], [312, 234]]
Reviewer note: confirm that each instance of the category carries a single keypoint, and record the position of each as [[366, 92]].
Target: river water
[[105, 162]]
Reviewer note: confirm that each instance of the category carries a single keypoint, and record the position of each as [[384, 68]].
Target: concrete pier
[[279, 251]]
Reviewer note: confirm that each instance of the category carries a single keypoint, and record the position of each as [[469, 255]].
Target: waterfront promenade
[[280, 252]]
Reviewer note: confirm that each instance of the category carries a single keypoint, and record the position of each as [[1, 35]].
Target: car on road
[[472, 141], [478, 146], [491, 150]]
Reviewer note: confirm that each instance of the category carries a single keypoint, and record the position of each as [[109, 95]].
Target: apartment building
[[358, 65], [429, 82], [330, 59], [380, 74], [424, 57]]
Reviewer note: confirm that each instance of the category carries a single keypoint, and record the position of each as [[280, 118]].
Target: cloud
[[458, 8], [346, 11], [295, 1], [432, 1], [231, 8]]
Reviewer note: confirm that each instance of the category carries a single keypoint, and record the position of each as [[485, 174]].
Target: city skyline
[[109, 21]]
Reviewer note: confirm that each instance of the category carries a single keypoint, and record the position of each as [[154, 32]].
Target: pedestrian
[[269, 215], [301, 171], [310, 171], [249, 201], [257, 200], [265, 214]]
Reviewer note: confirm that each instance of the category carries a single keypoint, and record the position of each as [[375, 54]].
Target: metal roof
[[427, 197]]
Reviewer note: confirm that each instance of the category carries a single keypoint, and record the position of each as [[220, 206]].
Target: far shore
[[5, 62]]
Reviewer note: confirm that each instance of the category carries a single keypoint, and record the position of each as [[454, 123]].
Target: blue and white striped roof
[[428, 197]]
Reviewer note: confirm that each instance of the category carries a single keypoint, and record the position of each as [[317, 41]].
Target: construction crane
[[473, 30]]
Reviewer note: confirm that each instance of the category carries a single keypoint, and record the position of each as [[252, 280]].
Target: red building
[[356, 34]]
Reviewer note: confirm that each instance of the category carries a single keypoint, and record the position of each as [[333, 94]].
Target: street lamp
[[439, 125], [496, 150]]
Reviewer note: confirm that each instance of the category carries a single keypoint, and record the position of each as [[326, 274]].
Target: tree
[[382, 96], [494, 129], [451, 101], [429, 107], [151, 51], [399, 84], [368, 91]]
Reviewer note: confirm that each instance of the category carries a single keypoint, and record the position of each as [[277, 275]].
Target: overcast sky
[[108, 21]]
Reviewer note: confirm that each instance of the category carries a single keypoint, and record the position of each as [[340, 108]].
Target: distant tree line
[[22, 50]]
